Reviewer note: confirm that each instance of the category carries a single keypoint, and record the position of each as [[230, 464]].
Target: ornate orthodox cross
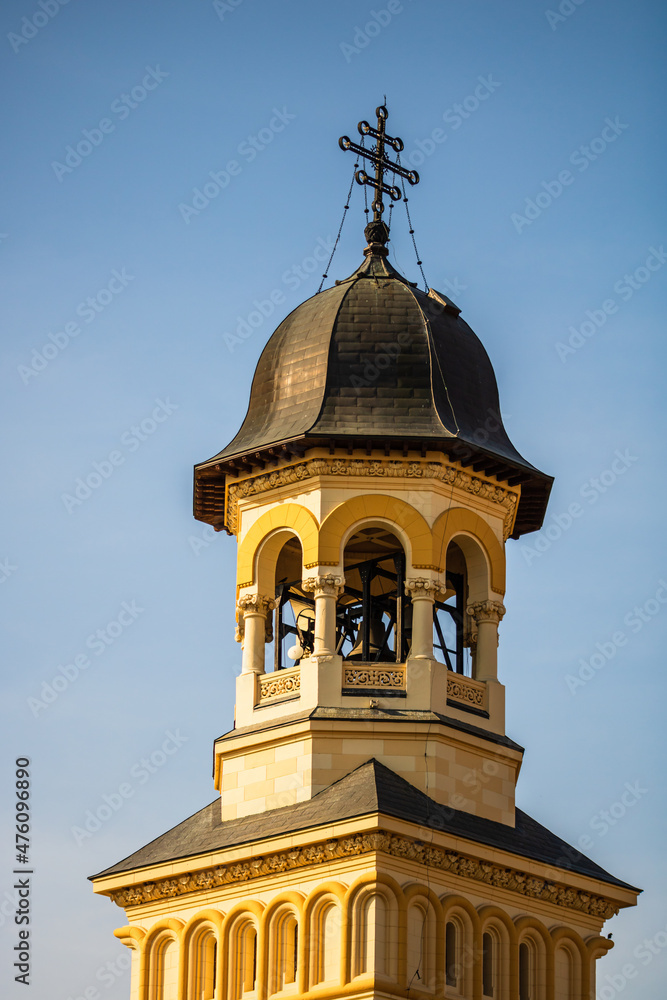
[[376, 154]]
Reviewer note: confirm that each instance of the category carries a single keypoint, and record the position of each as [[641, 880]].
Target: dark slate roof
[[376, 361], [371, 788]]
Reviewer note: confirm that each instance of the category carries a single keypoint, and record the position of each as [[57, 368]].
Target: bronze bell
[[377, 639]]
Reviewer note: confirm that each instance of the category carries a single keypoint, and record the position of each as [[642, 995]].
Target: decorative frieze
[[466, 690], [441, 859], [377, 468], [374, 678], [280, 684]]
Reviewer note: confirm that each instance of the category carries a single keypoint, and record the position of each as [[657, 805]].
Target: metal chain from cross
[[378, 157]]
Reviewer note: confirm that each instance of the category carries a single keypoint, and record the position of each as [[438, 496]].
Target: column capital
[[420, 586], [486, 611], [328, 585], [255, 604]]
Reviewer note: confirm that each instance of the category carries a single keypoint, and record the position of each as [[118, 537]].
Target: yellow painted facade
[[368, 913]]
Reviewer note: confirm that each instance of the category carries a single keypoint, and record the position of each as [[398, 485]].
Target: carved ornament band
[[466, 690], [386, 469], [375, 677], [443, 859], [280, 684]]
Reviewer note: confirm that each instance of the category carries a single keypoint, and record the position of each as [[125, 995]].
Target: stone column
[[470, 640], [422, 592], [486, 615], [254, 629], [326, 590]]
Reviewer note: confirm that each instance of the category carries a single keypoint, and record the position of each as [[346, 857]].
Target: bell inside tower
[[373, 613], [374, 620]]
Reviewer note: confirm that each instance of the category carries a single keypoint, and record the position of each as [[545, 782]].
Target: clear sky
[[539, 212]]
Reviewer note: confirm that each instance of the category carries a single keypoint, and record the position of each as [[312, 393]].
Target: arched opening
[[421, 969], [284, 952], [567, 973], [460, 954], [532, 968], [452, 970], [490, 958], [294, 615], [526, 972], [163, 969], [373, 619], [495, 962], [202, 965], [242, 959], [325, 947], [450, 643], [374, 935]]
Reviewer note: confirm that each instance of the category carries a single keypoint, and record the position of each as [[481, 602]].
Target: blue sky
[[138, 300]]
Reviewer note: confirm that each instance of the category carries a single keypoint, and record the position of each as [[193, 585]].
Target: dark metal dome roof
[[376, 362]]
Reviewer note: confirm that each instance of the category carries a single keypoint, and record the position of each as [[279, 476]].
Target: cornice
[[381, 841], [443, 472]]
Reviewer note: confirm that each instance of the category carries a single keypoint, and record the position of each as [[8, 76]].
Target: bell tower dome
[[365, 841]]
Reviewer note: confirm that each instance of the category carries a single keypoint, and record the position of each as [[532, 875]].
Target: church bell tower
[[365, 841]]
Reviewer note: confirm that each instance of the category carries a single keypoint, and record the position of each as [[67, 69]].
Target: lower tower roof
[[370, 789]]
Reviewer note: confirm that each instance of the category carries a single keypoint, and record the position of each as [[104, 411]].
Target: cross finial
[[378, 229]]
